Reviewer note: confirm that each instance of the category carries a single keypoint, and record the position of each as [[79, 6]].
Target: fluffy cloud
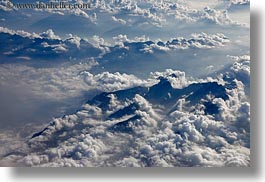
[[176, 78], [202, 40], [198, 41], [46, 46], [121, 21], [215, 16], [111, 81], [22, 33], [4, 5], [128, 128], [239, 2], [49, 34], [65, 81], [155, 13], [152, 18]]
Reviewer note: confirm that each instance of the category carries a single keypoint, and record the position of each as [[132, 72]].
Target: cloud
[[20, 33], [46, 46], [215, 16], [198, 41], [111, 81], [121, 21], [74, 40], [51, 83], [152, 18], [49, 34], [176, 78], [3, 7], [153, 12], [66, 81], [70, 11], [239, 2], [128, 128]]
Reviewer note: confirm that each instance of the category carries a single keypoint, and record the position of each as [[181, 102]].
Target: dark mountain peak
[[163, 81], [173, 75], [128, 110], [126, 126], [162, 87], [161, 92], [102, 100], [200, 90], [138, 45]]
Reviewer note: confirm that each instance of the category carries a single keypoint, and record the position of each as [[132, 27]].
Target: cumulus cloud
[[20, 33], [215, 16], [111, 81], [159, 13], [176, 78], [240, 70], [74, 40], [121, 21], [49, 34], [198, 41], [202, 40], [239, 2], [7, 6], [128, 128], [155, 13], [146, 16], [47, 45]]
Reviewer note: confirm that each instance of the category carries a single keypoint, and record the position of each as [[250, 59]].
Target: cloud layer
[[49, 46], [194, 123]]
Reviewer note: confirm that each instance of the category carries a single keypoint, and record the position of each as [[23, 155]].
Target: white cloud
[[74, 40], [176, 78], [215, 16], [6, 6], [119, 20], [49, 34], [185, 136], [19, 32], [59, 49], [197, 40], [239, 2], [51, 83], [48, 45], [111, 81]]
